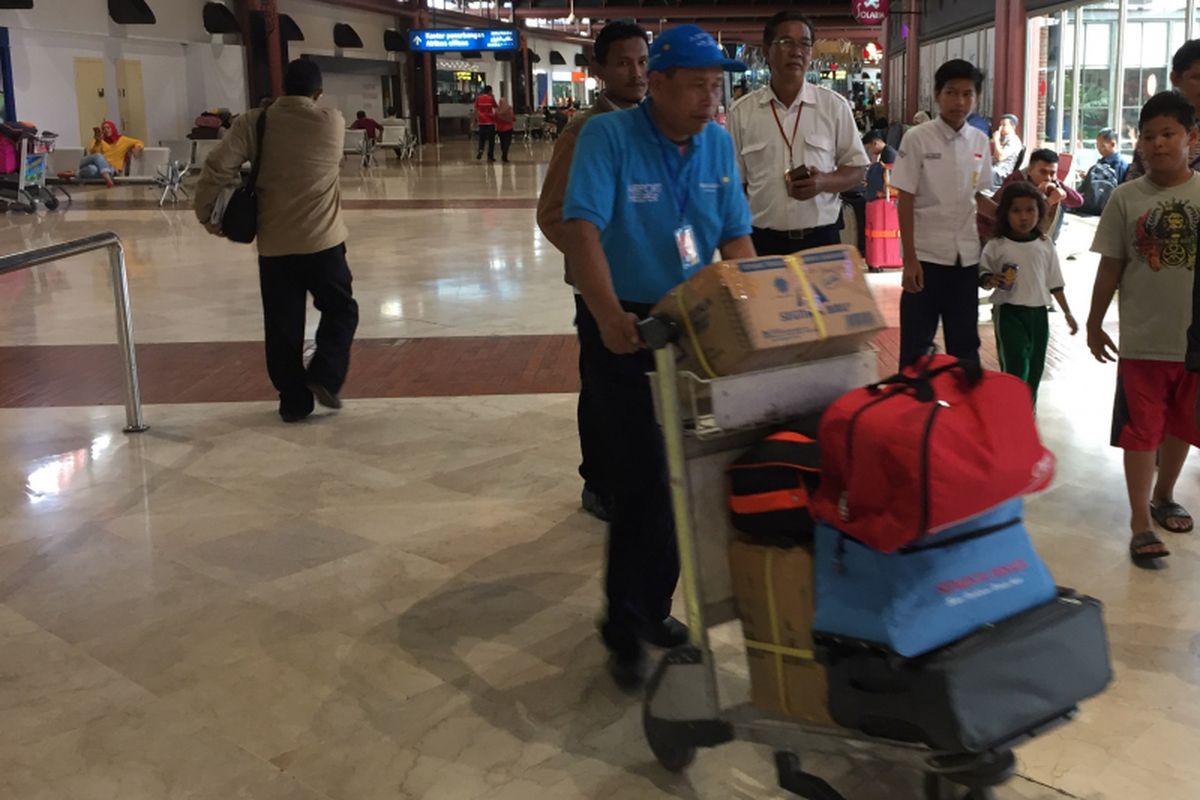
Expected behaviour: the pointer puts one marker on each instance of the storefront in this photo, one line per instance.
(1093, 66)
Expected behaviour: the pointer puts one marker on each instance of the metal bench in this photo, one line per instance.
(153, 167)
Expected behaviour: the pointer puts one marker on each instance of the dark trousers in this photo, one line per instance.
(506, 138)
(596, 464)
(643, 561)
(487, 136)
(951, 296)
(769, 242)
(286, 282)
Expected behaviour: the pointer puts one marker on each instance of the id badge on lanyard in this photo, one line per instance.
(680, 191)
(689, 251)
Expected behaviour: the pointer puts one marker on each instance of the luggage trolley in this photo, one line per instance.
(29, 186)
(705, 424)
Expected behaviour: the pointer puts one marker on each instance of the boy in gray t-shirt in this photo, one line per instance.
(1147, 240)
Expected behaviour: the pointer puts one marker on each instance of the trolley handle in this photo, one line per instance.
(658, 332)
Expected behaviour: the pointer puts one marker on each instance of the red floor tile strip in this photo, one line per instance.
(225, 372)
(97, 201)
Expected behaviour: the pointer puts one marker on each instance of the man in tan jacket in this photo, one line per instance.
(301, 236)
(621, 58)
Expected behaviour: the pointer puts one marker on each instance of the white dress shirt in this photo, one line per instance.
(943, 169)
(826, 138)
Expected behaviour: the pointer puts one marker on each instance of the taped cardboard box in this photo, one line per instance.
(773, 589)
(759, 313)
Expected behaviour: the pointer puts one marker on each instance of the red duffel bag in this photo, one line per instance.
(933, 446)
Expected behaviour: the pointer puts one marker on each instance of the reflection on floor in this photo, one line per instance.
(397, 602)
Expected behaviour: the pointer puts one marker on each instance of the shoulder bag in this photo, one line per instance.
(240, 221)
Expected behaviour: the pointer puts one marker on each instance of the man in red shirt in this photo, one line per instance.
(485, 115)
(365, 123)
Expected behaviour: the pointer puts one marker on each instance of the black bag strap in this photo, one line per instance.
(921, 384)
(260, 131)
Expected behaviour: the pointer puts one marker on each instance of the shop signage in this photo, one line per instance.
(439, 41)
(870, 12)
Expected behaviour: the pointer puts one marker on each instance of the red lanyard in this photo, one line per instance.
(791, 143)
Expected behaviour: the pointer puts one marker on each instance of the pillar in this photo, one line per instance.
(1008, 69)
(912, 60)
(259, 21)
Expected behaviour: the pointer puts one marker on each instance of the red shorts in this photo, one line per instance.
(1155, 399)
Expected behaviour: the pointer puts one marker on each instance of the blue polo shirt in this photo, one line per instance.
(633, 184)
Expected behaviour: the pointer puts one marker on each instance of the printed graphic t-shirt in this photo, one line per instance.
(1153, 230)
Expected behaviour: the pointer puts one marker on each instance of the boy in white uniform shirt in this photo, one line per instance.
(942, 167)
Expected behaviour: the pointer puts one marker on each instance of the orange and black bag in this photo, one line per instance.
(770, 484)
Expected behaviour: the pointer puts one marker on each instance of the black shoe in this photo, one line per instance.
(596, 504)
(479, 156)
(667, 634)
(628, 672)
(324, 396)
(290, 416)
(491, 159)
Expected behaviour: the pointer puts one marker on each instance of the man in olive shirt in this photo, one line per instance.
(301, 236)
(621, 57)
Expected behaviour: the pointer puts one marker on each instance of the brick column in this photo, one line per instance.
(1008, 71)
(912, 60)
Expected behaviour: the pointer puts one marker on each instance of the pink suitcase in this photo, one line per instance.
(883, 231)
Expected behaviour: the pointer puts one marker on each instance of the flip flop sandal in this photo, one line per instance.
(1143, 542)
(1165, 511)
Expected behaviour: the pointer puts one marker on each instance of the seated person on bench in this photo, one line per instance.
(364, 123)
(108, 150)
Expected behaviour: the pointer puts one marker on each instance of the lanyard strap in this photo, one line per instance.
(791, 143)
(680, 179)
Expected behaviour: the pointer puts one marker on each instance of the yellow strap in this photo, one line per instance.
(691, 331)
(773, 616)
(809, 297)
(780, 650)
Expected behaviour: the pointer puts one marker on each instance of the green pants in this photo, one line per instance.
(1022, 333)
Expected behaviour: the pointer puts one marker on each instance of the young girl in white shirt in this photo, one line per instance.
(1021, 265)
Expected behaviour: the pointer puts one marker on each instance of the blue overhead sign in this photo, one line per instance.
(439, 41)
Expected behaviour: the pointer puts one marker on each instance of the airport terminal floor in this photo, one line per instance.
(398, 601)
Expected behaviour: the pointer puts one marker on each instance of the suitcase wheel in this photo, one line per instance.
(938, 788)
(674, 755)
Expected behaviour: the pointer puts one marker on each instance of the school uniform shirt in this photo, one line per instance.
(1033, 266)
(635, 186)
(943, 169)
(825, 138)
(1152, 229)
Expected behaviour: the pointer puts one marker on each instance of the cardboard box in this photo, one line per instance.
(786, 684)
(755, 313)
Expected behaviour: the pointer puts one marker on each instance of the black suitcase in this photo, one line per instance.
(987, 690)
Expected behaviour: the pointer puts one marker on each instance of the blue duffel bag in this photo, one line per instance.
(933, 592)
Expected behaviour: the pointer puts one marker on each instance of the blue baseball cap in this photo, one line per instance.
(690, 47)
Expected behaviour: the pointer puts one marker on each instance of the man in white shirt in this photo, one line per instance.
(1006, 149)
(797, 146)
(942, 167)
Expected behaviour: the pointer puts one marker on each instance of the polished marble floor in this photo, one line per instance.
(397, 601)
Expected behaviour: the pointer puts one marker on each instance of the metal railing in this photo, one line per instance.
(120, 281)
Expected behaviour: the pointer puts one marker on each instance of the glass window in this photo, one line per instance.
(1154, 27)
(1097, 42)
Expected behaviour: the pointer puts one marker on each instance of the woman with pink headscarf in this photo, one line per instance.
(107, 152)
